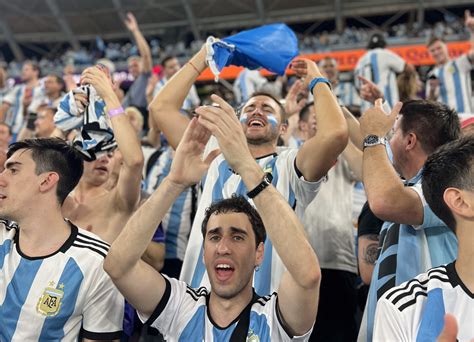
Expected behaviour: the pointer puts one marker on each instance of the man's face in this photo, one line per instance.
(19, 186)
(230, 255)
(328, 67)
(171, 67)
(28, 73)
(44, 123)
(134, 67)
(261, 120)
(52, 87)
(97, 172)
(439, 51)
(5, 136)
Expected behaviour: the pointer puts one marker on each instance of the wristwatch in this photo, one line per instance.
(266, 181)
(373, 140)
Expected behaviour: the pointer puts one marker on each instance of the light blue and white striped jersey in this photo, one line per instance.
(414, 311)
(347, 94)
(381, 66)
(454, 84)
(15, 115)
(221, 182)
(406, 252)
(177, 221)
(191, 101)
(295, 142)
(50, 298)
(182, 315)
(247, 83)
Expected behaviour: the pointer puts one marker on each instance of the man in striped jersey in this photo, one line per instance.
(52, 283)
(381, 66)
(296, 172)
(413, 239)
(234, 233)
(170, 67)
(17, 101)
(450, 81)
(345, 92)
(415, 310)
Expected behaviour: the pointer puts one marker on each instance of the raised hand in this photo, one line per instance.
(369, 90)
(130, 22)
(468, 20)
(292, 105)
(376, 121)
(99, 79)
(222, 122)
(306, 69)
(188, 167)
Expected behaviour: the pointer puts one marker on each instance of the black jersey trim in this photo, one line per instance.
(413, 301)
(102, 335)
(66, 245)
(254, 299)
(105, 244)
(196, 293)
(456, 280)
(98, 251)
(91, 243)
(280, 319)
(162, 304)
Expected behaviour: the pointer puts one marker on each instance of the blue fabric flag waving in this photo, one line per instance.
(271, 47)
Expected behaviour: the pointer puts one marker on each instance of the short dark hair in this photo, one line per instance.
(452, 165)
(433, 40)
(376, 40)
(236, 204)
(167, 58)
(305, 111)
(54, 154)
(262, 93)
(434, 123)
(59, 80)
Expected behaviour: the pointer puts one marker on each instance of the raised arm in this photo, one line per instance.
(318, 154)
(388, 198)
(469, 23)
(166, 105)
(123, 262)
(299, 288)
(293, 108)
(142, 44)
(127, 192)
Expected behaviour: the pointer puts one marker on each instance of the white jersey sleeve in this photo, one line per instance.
(389, 324)
(168, 315)
(304, 190)
(394, 61)
(103, 314)
(464, 63)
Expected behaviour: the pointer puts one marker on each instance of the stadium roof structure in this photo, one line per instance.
(71, 21)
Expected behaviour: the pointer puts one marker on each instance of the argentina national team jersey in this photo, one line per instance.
(15, 116)
(406, 252)
(183, 315)
(221, 183)
(177, 221)
(380, 66)
(455, 84)
(414, 311)
(50, 298)
(346, 94)
(192, 99)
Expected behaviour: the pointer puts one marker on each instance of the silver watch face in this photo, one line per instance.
(372, 140)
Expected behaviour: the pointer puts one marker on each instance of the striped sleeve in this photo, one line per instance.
(390, 324)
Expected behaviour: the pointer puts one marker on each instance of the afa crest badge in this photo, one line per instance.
(49, 303)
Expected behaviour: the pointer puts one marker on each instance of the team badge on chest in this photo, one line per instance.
(49, 303)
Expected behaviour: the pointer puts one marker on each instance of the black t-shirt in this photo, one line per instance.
(368, 223)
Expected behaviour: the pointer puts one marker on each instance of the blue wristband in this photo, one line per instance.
(317, 80)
